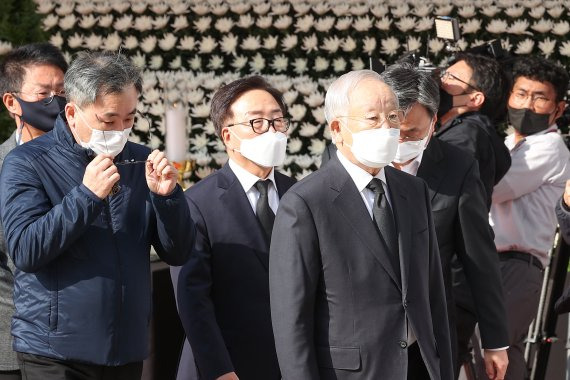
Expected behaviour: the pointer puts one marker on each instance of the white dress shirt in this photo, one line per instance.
(248, 181)
(522, 213)
(413, 166)
(361, 179)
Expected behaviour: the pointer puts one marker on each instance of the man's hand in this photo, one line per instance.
(228, 376)
(496, 363)
(161, 175)
(100, 175)
(567, 193)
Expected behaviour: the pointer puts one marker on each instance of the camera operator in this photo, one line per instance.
(523, 209)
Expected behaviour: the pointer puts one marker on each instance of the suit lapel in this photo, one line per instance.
(235, 202)
(428, 170)
(350, 203)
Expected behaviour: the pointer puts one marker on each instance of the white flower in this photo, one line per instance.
(220, 9)
(279, 63)
(390, 46)
(228, 44)
(564, 49)
(257, 63)
(283, 84)
(331, 44)
(56, 40)
(240, 8)
(139, 60)
(300, 65)
(362, 24)
(340, 9)
(321, 64)
(506, 44)
(187, 43)
(304, 24)
(556, 11)
(290, 96)
(467, 11)
(383, 23)
(348, 44)
(203, 171)
(201, 110)
(401, 10)
(519, 27)
(160, 22)
(67, 22)
(224, 25)
(50, 21)
(306, 86)
(424, 24)
(239, 62)
(543, 26)
(303, 174)
(167, 42)
(490, 11)
(343, 23)
(435, 45)
(406, 23)
(216, 62)
(159, 8)
(93, 42)
(422, 10)
(264, 22)
(462, 44)
(143, 23)
(155, 62)
(302, 8)
(195, 63)
(294, 145)
(414, 43)
(138, 7)
(537, 12)
(207, 44)
(514, 12)
(202, 24)
(319, 115)
(321, 8)
(220, 158)
(308, 130)
(148, 44)
(283, 22)
(561, 28)
(180, 22)
(310, 43)
(67, 57)
(497, 26)
(369, 45)
(195, 96)
(120, 6)
(112, 42)
(379, 10)
(75, 41)
(304, 161)
(525, 47)
(357, 64)
(315, 99)
(5, 47)
(45, 7)
(317, 147)
(471, 26)
(251, 43)
(199, 147)
(325, 24)
(270, 42)
(280, 9)
(176, 63)
(289, 42)
(121, 24)
(179, 8)
(151, 96)
(359, 9)
(106, 21)
(200, 9)
(65, 8)
(245, 21)
(547, 46)
(443, 10)
(262, 8)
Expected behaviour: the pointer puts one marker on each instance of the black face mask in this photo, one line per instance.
(445, 103)
(528, 122)
(41, 115)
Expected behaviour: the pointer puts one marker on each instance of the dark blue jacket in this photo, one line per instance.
(82, 284)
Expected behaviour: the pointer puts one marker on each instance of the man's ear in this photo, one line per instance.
(12, 104)
(225, 135)
(335, 131)
(560, 107)
(476, 99)
(70, 114)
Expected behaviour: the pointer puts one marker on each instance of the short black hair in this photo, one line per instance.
(542, 70)
(14, 64)
(489, 78)
(220, 109)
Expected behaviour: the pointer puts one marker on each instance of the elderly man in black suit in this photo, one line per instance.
(223, 291)
(458, 206)
(354, 270)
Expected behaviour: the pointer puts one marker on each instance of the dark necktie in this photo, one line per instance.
(384, 220)
(263, 211)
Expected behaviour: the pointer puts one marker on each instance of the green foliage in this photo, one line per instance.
(19, 25)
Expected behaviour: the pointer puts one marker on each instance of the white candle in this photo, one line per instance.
(176, 137)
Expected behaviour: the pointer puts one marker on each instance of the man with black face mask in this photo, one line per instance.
(523, 210)
(31, 84)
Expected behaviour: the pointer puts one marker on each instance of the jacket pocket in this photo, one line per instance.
(347, 358)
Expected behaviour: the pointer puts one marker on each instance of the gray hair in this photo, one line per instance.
(336, 100)
(93, 74)
(412, 86)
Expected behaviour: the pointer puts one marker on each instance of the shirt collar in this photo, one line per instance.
(413, 166)
(246, 179)
(360, 176)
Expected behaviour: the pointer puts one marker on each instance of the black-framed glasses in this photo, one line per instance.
(45, 96)
(261, 125)
(446, 75)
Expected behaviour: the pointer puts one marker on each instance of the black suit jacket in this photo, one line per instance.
(222, 291)
(462, 229)
(338, 307)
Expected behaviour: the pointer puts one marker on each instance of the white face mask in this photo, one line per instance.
(409, 150)
(267, 150)
(108, 142)
(375, 148)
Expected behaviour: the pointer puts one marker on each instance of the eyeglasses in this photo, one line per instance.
(393, 119)
(261, 125)
(446, 75)
(539, 101)
(45, 96)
